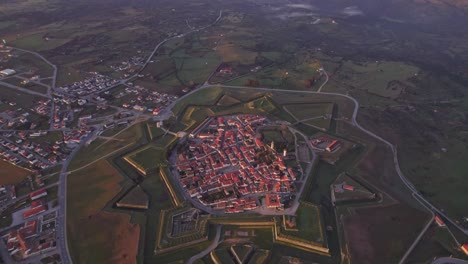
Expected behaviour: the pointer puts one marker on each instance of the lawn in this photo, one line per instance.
(259, 257)
(101, 147)
(148, 158)
(12, 174)
(305, 111)
(97, 236)
(23, 100)
(50, 138)
(223, 256)
(135, 198)
(194, 115)
(360, 192)
(205, 97)
(154, 131)
(382, 234)
(318, 115)
(196, 69)
(36, 42)
(242, 251)
(436, 242)
(387, 79)
(30, 86)
(308, 223)
(272, 135)
(227, 100)
(28, 62)
(231, 53)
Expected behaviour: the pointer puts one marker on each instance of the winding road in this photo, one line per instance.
(208, 249)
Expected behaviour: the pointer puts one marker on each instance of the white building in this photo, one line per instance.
(7, 72)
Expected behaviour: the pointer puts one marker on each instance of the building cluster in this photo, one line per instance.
(226, 165)
(18, 148)
(67, 109)
(5, 53)
(141, 99)
(7, 192)
(93, 84)
(22, 117)
(32, 238)
(129, 66)
(42, 107)
(326, 144)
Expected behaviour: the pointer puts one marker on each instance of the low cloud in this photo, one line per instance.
(352, 11)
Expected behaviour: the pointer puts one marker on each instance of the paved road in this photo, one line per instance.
(23, 90)
(54, 81)
(61, 227)
(449, 261)
(418, 238)
(323, 84)
(208, 249)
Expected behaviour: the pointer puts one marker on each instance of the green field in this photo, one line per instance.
(135, 197)
(259, 257)
(148, 158)
(223, 255)
(386, 79)
(154, 131)
(100, 147)
(227, 100)
(360, 192)
(316, 115)
(26, 62)
(205, 97)
(308, 224)
(242, 251)
(89, 226)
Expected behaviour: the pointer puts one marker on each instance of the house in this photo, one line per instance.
(7, 72)
(156, 110)
(34, 211)
(37, 194)
(464, 248)
(334, 145)
(348, 187)
(273, 201)
(85, 117)
(439, 221)
(225, 70)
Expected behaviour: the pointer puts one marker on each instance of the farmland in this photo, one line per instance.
(12, 174)
(386, 79)
(367, 245)
(90, 225)
(439, 242)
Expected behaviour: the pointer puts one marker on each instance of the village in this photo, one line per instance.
(228, 167)
(40, 135)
